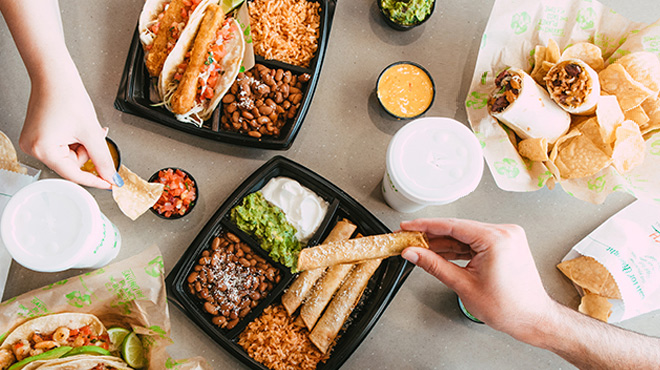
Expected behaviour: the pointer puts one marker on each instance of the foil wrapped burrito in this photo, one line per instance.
(574, 86)
(525, 107)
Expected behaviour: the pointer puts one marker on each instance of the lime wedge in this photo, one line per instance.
(117, 335)
(48, 355)
(229, 5)
(132, 351)
(88, 350)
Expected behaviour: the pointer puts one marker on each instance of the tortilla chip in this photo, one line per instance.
(13, 166)
(586, 52)
(643, 67)
(651, 107)
(552, 53)
(137, 195)
(595, 306)
(628, 148)
(7, 150)
(539, 56)
(609, 116)
(637, 115)
(591, 275)
(580, 157)
(535, 149)
(592, 130)
(617, 81)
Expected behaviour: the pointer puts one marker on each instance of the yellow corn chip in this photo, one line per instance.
(580, 157)
(587, 52)
(643, 67)
(595, 306)
(591, 275)
(535, 149)
(609, 116)
(552, 53)
(594, 132)
(638, 115)
(539, 57)
(651, 107)
(8, 158)
(137, 195)
(628, 147)
(617, 81)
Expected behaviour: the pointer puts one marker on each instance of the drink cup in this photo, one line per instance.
(54, 225)
(431, 161)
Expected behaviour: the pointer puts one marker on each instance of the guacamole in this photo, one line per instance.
(407, 12)
(268, 223)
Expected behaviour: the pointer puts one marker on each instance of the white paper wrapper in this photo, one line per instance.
(628, 245)
(10, 183)
(515, 27)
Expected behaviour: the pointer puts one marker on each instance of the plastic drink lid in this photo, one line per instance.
(435, 160)
(50, 225)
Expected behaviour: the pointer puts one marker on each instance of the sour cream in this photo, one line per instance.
(303, 208)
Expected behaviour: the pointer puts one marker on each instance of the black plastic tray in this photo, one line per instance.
(381, 289)
(133, 93)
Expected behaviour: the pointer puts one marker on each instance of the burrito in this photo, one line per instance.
(525, 107)
(574, 86)
(52, 336)
(160, 26)
(202, 66)
(80, 362)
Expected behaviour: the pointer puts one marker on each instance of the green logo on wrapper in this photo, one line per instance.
(156, 267)
(597, 184)
(477, 100)
(482, 141)
(38, 309)
(170, 363)
(158, 330)
(586, 18)
(125, 290)
(545, 176)
(507, 167)
(80, 298)
(655, 147)
(520, 22)
(51, 286)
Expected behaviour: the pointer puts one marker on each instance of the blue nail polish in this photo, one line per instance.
(118, 180)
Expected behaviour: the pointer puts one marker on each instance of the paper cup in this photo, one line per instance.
(54, 225)
(431, 161)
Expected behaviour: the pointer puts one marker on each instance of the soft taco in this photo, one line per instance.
(161, 25)
(80, 362)
(51, 336)
(202, 66)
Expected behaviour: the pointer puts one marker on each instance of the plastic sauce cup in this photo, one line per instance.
(54, 225)
(431, 161)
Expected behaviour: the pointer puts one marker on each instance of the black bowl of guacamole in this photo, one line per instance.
(403, 15)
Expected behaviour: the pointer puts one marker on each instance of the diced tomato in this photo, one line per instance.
(178, 195)
(208, 93)
(187, 2)
(155, 27)
(219, 51)
(213, 79)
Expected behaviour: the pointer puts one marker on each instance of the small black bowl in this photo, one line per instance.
(154, 177)
(89, 166)
(432, 90)
(402, 27)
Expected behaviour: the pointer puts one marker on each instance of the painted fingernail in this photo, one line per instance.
(118, 180)
(412, 257)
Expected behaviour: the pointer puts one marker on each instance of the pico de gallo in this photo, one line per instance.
(187, 7)
(178, 195)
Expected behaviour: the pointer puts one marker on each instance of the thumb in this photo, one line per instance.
(447, 272)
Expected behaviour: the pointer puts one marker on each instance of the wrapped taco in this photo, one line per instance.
(161, 25)
(50, 337)
(525, 107)
(574, 86)
(202, 66)
(80, 362)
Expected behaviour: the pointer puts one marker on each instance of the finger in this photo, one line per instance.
(466, 231)
(70, 170)
(98, 152)
(447, 272)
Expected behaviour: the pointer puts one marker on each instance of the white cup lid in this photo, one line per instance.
(435, 160)
(50, 225)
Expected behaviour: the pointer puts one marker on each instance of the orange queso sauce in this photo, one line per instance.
(89, 166)
(405, 90)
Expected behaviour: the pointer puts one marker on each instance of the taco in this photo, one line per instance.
(160, 26)
(51, 336)
(202, 66)
(81, 362)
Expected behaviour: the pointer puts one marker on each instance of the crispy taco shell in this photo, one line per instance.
(80, 362)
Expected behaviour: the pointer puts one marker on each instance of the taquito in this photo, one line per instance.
(322, 294)
(359, 249)
(301, 287)
(342, 305)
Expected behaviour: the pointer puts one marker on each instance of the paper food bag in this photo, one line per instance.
(514, 28)
(628, 246)
(130, 293)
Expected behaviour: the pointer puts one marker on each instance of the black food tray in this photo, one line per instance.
(381, 289)
(134, 90)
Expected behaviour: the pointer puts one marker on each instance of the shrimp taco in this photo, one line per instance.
(52, 336)
(161, 25)
(80, 362)
(202, 66)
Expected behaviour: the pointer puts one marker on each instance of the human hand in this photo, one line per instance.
(61, 130)
(500, 285)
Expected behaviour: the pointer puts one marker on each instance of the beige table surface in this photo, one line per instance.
(344, 138)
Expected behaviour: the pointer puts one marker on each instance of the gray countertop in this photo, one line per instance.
(344, 139)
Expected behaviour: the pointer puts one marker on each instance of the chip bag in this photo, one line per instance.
(623, 152)
(616, 268)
